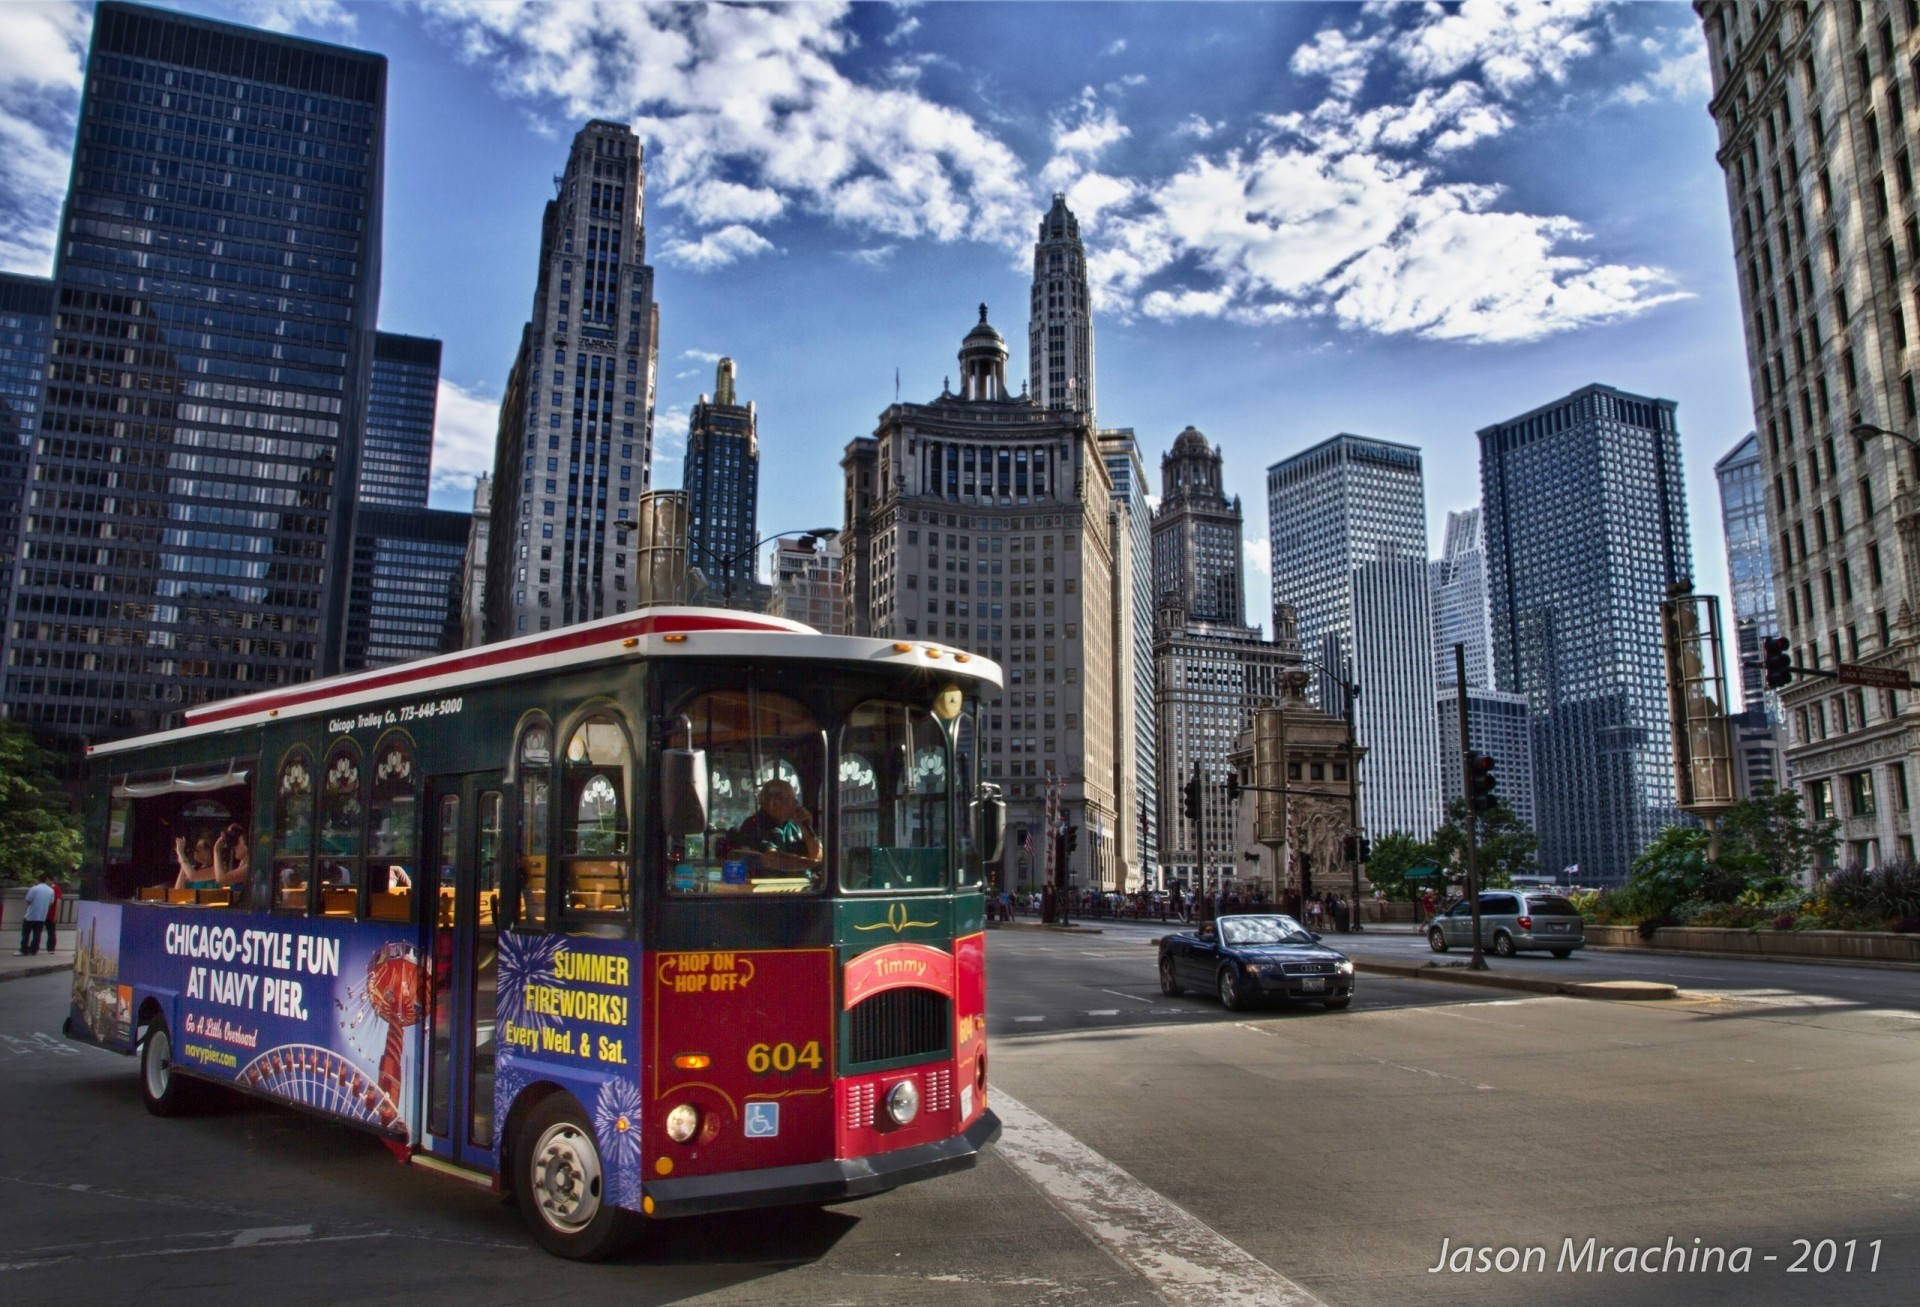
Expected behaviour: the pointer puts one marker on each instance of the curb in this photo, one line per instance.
(1792, 959)
(1041, 925)
(22, 973)
(1604, 989)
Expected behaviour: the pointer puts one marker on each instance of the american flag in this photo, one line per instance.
(1026, 841)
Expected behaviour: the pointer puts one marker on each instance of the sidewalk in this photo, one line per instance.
(14, 967)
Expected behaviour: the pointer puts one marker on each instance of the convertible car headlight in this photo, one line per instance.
(1346, 967)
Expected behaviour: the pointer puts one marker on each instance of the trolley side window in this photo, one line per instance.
(342, 822)
(533, 771)
(596, 842)
(766, 771)
(293, 813)
(895, 800)
(180, 835)
(392, 826)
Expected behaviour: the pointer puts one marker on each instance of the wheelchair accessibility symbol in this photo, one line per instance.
(763, 1120)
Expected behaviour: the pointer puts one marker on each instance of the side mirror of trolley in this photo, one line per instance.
(683, 791)
(990, 822)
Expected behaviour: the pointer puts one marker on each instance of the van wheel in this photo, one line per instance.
(162, 1089)
(1436, 941)
(1168, 985)
(561, 1185)
(1562, 953)
(1503, 944)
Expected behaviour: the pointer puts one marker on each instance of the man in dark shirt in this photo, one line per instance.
(780, 837)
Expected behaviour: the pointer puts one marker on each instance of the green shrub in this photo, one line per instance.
(1890, 891)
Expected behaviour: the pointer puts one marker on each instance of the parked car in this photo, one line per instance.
(1248, 957)
(1512, 921)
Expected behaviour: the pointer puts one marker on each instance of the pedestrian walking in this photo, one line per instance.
(39, 901)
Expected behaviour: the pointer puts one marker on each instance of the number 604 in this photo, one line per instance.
(783, 1058)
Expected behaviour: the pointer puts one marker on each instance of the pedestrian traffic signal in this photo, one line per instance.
(1193, 797)
(1779, 662)
(1481, 782)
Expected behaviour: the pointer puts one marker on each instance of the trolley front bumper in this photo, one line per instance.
(821, 1182)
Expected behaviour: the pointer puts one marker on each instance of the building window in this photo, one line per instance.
(1820, 800)
(1860, 794)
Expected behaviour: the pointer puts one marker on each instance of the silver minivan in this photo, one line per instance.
(1512, 921)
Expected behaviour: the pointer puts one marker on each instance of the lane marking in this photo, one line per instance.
(1029, 1018)
(1103, 1012)
(1117, 994)
(1186, 1260)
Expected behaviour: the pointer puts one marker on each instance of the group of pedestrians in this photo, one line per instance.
(42, 916)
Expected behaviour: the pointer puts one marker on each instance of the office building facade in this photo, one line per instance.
(722, 481)
(26, 335)
(1347, 519)
(1060, 322)
(575, 449)
(1753, 615)
(1133, 615)
(1498, 726)
(403, 395)
(980, 519)
(1458, 583)
(1813, 105)
(473, 568)
(806, 584)
(1586, 528)
(189, 531)
(408, 572)
(1196, 536)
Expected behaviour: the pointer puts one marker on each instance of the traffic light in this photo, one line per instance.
(1193, 797)
(1233, 785)
(1779, 662)
(1073, 838)
(1480, 782)
(1365, 850)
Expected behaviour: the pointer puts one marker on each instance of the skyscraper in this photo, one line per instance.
(575, 450)
(1586, 527)
(806, 583)
(980, 519)
(1060, 324)
(1498, 725)
(1458, 582)
(722, 481)
(1196, 536)
(473, 568)
(26, 332)
(403, 394)
(1813, 107)
(1133, 616)
(1755, 616)
(1348, 523)
(217, 283)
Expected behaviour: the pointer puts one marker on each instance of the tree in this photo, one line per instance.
(1506, 845)
(1772, 827)
(1674, 869)
(1393, 857)
(38, 829)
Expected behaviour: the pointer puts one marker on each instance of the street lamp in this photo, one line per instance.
(808, 539)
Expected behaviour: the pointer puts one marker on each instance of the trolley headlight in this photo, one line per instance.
(903, 1102)
(683, 1123)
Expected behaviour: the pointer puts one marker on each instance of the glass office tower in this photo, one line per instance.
(217, 281)
(26, 325)
(1586, 527)
(403, 395)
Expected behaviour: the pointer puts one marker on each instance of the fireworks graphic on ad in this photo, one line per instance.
(524, 960)
(616, 1123)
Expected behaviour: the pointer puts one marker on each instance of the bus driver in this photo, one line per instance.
(780, 836)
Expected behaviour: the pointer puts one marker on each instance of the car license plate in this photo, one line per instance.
(1313, 985)
(1557, 925)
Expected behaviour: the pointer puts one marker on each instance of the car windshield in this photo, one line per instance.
(1552, 907)
(1243, 931)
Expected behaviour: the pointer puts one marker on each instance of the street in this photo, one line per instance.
(1157, 1151)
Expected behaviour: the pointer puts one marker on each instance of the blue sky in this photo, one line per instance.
(1403, 220)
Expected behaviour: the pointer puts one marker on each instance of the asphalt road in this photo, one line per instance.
(1152, 1157)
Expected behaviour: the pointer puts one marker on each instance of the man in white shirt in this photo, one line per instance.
(39, 904)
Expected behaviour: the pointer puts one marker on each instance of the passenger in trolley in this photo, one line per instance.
(780, 838)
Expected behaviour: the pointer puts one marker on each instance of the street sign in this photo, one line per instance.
(1883, 678)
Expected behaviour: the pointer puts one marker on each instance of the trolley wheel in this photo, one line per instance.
(1168, 985)
(162, 1088)
(560, 1184)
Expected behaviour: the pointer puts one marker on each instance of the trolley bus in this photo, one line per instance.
(515, 910)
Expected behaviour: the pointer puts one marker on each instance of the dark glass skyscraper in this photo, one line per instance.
(408, 566)
(217, 280)
(403, 392)
(1586, 527)
(26, 324)
(722, 480)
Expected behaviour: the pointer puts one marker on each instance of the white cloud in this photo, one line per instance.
(717, 201)
(701, 355)
(1511, 42)
(1258, 557)
(1341, 58)
(1080, 135)
(716, 249)
(669, 445)
(1119, 47)
(1680, 70)
(292, 15)
(877, 256)
(41, 46)
(466, 429)
(754, 96)
(1197, 127)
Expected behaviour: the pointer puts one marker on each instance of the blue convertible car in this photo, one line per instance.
(1244, 958)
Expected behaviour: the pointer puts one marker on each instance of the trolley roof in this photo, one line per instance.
(649, 633)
